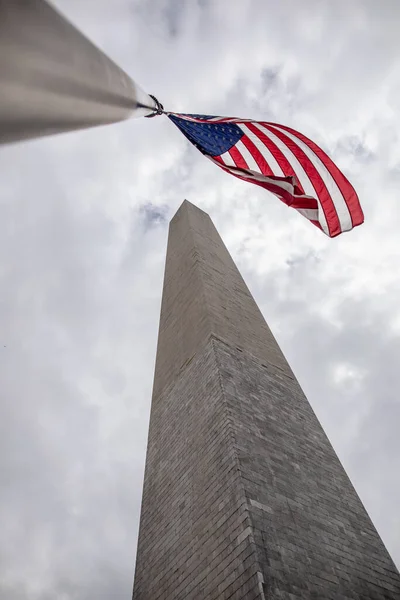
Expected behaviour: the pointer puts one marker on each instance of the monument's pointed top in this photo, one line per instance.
(204, 295)
(187, 206)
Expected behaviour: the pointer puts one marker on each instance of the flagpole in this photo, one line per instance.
(53, 79)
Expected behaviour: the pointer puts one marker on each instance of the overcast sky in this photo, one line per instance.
(83, 229)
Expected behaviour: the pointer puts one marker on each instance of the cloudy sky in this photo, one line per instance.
(83, 230)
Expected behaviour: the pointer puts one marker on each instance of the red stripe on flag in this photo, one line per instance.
(318, 183)
(238, 158)
(317, 224)
(304, 203)
(256, 154)
(283, 195)
(348, 192)
(277, 191)
(280, 158)
(266, 170)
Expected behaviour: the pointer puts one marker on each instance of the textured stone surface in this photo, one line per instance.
(243, 496)
(313, 536)
(205, 294)
(195, 535)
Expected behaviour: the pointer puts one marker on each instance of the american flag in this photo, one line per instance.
(282, 161)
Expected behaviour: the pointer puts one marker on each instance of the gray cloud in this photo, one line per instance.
(153, 215)
(83, 232)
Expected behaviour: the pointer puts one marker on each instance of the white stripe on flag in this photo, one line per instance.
(251, 163)
(332, 187)
(300, 172)
(271, 160)
(309, 213)
(227, 159)
(249, 175)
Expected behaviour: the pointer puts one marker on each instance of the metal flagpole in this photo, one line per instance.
(53, 79)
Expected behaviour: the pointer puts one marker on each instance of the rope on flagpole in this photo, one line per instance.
(159, 108)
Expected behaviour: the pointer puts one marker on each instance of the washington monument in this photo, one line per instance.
(244, 496)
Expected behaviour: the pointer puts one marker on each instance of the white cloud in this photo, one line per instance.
(82, 263)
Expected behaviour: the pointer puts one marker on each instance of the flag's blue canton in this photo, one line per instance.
(210, 138)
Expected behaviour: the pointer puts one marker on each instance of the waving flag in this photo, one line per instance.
(280, 160)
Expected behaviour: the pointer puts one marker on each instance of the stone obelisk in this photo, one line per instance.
(244, 496)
